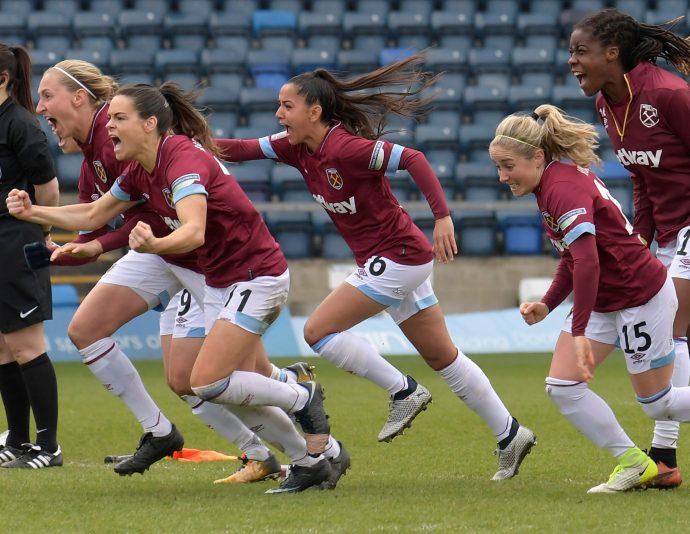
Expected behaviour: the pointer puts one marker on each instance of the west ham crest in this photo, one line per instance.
(550, 221)
(649, 116)
(167, 195)
(100, 171)
(334, 178)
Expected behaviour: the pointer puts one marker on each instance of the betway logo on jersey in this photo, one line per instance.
(639, 157)
(346, 206)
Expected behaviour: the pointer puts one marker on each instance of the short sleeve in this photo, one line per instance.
(571, 207)
(188, 172)
(30, 144)
(278, 148)
(126, 187)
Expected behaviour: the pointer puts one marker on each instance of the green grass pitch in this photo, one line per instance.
(436, 477)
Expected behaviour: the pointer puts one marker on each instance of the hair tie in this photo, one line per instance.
(535, 116)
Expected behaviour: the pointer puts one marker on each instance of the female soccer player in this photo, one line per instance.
(27, 377)
(74, 98)
(331, 137)
(644, 111)
(621, 291)
(246, 274)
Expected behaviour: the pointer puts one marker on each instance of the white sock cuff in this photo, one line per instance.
(97, 350)
(213, 390)
(550, 381)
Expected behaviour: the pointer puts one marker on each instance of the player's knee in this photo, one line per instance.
(179, 383)
(564, 392)
(79, 334)
(312, 334)
(660, 405)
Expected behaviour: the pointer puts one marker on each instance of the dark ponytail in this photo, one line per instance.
(361, 110)
(16, 62)
(173, 108)
(638, 42)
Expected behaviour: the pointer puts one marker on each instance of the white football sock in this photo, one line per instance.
(671, 403)
(220, 419)
(275, 427)
(112, 367)
(589, 413)
(279, 374)
(252, 389)
(332, 450)
(666, 432)
(357, 356)
(466, 379)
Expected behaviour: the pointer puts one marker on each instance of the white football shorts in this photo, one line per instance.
(183, 317)
(676, 255)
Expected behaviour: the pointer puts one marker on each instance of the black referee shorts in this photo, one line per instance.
(25, 295)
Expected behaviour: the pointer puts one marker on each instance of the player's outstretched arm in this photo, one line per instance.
(235, 150)
(88, 216)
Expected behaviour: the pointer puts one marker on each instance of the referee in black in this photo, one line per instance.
(27, 377)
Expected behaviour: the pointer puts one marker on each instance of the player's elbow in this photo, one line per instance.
(196, 236)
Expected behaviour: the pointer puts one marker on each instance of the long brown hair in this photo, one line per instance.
(361, 110)
(173, 108)
(638, 42)
(16, 62)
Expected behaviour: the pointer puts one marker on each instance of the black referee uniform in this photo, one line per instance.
(25, 161)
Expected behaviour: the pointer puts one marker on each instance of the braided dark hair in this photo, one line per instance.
(638, 42)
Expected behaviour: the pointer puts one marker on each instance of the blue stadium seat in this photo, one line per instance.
(268, 22)
(527, 97)
(239, 7)
(311, 23)
(452, 23)
(273, 81)
(305, 60)
(277, 42)
(12, 28)
(293, 231)
(424, 220)
(229, 24)
(634, 8)
(197, 7)
(50, 31)
(89, 24)
(538, 23)
(489, 60)
(179, 66)
(442, 157)
(224, 99)
(586, 6)
(548, 7)
(522, 235)
(416, 6)
(532, 60)
(613, 171)
(187, 31)
(477, 234)
(17, 7)
(132, 61)
(431, 136)
(488, 80)
(623, 193)
(100, 58)
(415, 42)
(447, 60)
(263, 119)
(41, 60)
(377, 7)
(440, 118)
(446, 98)
(294, 6)
(548, 42)
(141, 30)
(357, 61)
(64, 295)
(570, 96)
(232, 82)
(222, 61)
(469, 7)
(408, 23)
(496, 23)
(253, 179)
(160, 7)
(374, 43)
(136, 77)
(502, 7)
(355, 24)
(391, 55)
(330, 43)
(258, 100)
(268, 62)
(538, 79)
(494, 98)
(475, 173)
(68, 169)
(333, 246)
(66, 7)
(110, 7)
(285, 175)
(334, 7)
(223, 123)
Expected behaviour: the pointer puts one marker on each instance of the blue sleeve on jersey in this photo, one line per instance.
(118, 193)
(582, 228)
(194, 189)
(266, 148)
(394, 160)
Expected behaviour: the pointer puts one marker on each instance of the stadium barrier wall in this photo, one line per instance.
(475, 333)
